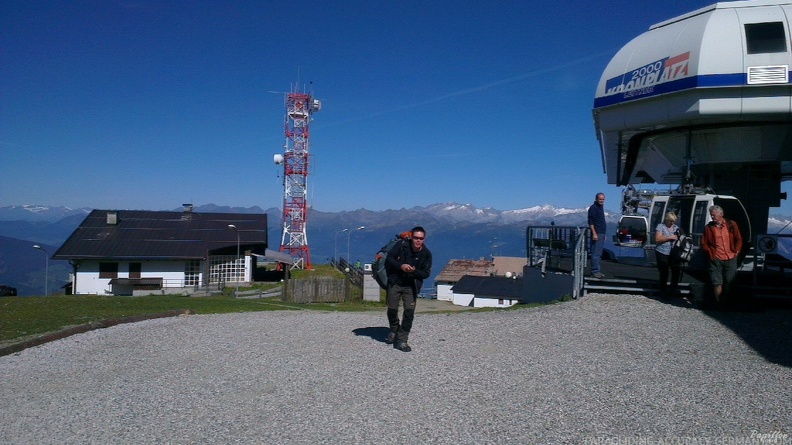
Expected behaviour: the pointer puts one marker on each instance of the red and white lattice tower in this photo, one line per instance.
(299, 108)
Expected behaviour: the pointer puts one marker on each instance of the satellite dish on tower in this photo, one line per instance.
(278, 158)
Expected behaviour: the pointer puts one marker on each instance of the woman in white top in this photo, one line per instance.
(665, 235)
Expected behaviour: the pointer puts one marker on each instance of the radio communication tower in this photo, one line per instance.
(299, 108)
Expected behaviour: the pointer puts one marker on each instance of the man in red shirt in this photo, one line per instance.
(722, 241)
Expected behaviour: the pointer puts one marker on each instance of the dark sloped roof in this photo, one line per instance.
(144, 234)
(497, 287)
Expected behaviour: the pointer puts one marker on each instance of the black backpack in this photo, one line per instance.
(682, 249)
(378, 269)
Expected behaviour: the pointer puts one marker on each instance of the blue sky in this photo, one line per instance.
(137, 104)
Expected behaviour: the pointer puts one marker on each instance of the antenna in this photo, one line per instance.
(295, 160)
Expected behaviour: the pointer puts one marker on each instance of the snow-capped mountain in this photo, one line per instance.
(469, 213)
(455, 231)
(39, 213)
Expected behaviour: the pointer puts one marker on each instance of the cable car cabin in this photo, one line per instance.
(692, 211)
(632, 231)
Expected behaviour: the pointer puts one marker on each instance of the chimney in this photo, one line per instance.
(187, 213)
(112, 218)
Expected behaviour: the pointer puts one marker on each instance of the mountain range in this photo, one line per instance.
(454, 231)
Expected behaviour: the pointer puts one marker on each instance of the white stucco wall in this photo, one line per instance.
(462, 299)
(444, 292)
(494, 302)
(88, 281)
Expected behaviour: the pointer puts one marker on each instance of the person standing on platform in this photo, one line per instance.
(665, 234)
(723, 242)
(596, 222)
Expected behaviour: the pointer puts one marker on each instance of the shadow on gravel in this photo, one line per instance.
(766, 331)
(379, 334)
(763, 327)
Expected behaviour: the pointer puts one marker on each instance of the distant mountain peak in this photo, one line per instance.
(37, 212)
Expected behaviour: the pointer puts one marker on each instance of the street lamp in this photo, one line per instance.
(234, 228)
(350, 233)
(46, 268)
(335, 247)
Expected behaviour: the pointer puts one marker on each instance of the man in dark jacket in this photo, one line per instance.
(408, 263)
(723, 242)
(596, 222)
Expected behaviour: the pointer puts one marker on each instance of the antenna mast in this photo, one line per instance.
(299, 108)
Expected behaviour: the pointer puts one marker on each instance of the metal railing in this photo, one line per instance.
(579, 261)
(550, 246)
(352, 272)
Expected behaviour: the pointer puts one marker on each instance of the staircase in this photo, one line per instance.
(628, 286)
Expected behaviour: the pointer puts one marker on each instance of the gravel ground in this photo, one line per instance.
(605, 369)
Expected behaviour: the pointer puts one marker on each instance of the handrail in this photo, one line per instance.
(543, 243)
(579, 262)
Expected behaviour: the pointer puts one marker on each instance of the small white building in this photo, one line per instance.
(140, 252)
(500, 266)
(454, 271)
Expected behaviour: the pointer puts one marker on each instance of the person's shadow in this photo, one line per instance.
(377, 333)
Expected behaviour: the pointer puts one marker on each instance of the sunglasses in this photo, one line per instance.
(418, 237)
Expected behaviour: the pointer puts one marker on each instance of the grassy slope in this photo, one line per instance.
(25, 317)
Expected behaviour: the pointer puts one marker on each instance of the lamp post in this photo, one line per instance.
(348, 234)
(335, 247)
(234, 228)
(46, 268)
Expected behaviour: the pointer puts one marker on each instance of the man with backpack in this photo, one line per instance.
(723, 242)
(408, 263)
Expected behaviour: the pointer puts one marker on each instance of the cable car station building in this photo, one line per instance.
(704, 100)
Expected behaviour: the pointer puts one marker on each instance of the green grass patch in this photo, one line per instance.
(319, 270)
(24, 317)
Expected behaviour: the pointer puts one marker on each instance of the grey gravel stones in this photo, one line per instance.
(604, 367)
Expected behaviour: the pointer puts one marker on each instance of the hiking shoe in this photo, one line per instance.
(391, 338)
(598, 275)
(402, 346)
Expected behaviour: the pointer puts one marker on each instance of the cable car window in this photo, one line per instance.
(632, 229)
(682, 207)
(700, 213)
(657, 216)
(765, 37)
(732, 209)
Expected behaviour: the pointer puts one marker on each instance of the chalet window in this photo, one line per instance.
(765, 37)
(108, 270)
(134, 270)
(192, 272)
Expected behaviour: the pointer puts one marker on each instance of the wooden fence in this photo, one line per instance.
(322, 290)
